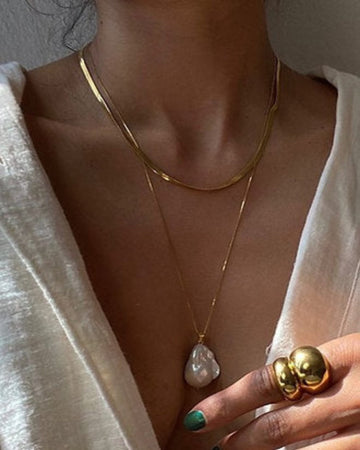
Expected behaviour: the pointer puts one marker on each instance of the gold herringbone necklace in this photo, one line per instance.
(136, 148)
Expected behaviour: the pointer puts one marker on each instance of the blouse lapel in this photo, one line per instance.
(34, 222)
(323, 283)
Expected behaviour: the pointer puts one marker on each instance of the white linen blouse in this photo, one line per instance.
(64, 381)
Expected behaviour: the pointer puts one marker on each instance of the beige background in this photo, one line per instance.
(304, 33)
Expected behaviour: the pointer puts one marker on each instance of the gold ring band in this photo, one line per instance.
(305, 370)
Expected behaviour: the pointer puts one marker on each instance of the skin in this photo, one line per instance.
(193, 82)
(335, 409)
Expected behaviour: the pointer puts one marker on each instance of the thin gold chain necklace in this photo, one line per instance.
(201, 367)
(136, 148)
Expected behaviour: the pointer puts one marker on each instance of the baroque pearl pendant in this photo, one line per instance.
(201, 368)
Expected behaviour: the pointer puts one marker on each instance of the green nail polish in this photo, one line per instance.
(194, 420)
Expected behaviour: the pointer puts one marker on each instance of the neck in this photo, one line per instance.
(183, 65)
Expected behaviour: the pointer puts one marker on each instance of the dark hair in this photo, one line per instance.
(76, 17)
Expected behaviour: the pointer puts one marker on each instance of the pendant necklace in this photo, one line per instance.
(201, 367)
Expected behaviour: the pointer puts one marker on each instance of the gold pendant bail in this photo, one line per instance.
(201, 338)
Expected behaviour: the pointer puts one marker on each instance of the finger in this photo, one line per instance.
(258, 388)
(255, 389)
(314, 417)
(343, 442)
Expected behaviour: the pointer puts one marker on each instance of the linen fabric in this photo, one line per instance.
(64, 381)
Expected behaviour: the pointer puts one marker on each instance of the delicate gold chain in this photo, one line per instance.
(202, 334)
(148, 164)
(129, 136)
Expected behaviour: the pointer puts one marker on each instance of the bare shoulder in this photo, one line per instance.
(309, 103)
(61, 114)
(62, 117)
(56, 92)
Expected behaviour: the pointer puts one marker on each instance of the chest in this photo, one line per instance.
(133, 270)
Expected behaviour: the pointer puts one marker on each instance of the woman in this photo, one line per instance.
(95, 325)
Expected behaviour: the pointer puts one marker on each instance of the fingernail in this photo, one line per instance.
(194, 420)
(216, 448)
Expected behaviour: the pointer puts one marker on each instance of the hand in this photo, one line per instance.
(335, 409)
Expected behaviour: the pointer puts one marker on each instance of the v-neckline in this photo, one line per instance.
(33, 221)
(109, 354)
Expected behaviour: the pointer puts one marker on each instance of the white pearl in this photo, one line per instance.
(201, 368)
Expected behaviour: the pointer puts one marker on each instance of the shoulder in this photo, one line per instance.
(348, 87)
(57, 92)
(44, 104)
(348, 106)
(325, 96)
(347, 131)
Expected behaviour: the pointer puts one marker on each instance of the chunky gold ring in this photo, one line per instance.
(286, 379)
(305, 370)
